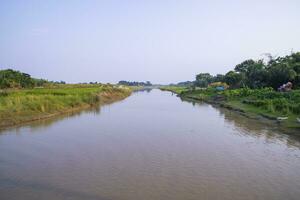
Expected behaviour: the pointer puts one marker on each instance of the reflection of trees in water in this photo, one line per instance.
(143, 90)
(261, 128)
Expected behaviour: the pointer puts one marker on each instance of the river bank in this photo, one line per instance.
(256, 104)
(150, 146)
(26, 105)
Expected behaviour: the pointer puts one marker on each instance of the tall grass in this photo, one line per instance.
(265, 99)
(268, 99)
(23, 105)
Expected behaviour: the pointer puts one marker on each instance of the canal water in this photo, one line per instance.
(150, 146)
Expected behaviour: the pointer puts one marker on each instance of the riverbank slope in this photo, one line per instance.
(253, 103)
(25, 105)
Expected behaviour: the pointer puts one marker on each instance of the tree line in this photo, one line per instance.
(258, 73)
(14, 79)
(135, 83)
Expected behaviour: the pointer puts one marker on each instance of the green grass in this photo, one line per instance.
(254, 103)
(175, 89)
(266, 99)
(17, 106)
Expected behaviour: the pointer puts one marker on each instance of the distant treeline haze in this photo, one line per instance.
(134, 83)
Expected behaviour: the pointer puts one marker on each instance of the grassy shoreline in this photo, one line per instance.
(251, 104)
(26, 105)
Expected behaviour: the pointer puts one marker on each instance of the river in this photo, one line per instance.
(150, 146)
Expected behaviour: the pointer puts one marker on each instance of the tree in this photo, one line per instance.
(254, 73)
(233, 79)
(203, 79)
(281, 73)
(244, 66)
(257, 74)
(14, 79)
(218, 78)
(135, 83)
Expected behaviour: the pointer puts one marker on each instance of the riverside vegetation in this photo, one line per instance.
(22, 101)
(252, 90)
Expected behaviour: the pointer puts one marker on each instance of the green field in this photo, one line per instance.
(23, 105)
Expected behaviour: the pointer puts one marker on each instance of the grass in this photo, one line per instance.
(254, 103)
(174, 89)
(18, 106)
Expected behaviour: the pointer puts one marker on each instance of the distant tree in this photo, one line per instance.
(233, 79)
(185, 83)
(253, 73)
(148, 83)
(14, 79)
(280, 74)
(258, 74)
(134, 83)
(218, 78)
(244, 66)
(203, 79)
(40, 82)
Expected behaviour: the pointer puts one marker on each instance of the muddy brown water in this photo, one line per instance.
(150, 146)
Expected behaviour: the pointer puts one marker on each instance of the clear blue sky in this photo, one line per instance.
(158, 40)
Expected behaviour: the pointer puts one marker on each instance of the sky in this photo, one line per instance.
(163, 41)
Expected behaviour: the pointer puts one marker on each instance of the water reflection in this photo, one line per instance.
(245, 126)
(36, 126)
(151, 146)
(143, 90)
(252, 127)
